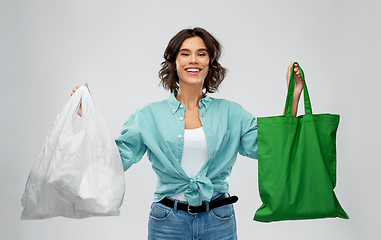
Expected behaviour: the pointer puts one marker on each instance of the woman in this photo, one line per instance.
(192, 141)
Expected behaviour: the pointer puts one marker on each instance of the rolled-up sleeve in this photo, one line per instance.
(249, 135)
(130, 143)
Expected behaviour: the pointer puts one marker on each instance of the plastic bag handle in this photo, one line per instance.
(290, 93)
(82, 95)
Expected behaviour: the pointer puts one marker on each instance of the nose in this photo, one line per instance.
(193, 58)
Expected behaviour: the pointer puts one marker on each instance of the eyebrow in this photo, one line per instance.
(186, 49)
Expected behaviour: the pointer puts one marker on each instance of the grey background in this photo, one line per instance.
(48, 47)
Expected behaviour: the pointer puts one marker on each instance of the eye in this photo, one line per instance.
(184, 54)
(202, 54)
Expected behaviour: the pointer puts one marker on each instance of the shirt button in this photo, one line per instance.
(179, 136)
(181, 118)
(181, 106)
(174, 110)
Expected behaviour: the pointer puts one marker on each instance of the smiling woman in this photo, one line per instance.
(192, 141)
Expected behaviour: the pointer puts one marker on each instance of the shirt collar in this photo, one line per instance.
(174, 104)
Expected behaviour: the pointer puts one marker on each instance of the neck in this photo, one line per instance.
(190, 96)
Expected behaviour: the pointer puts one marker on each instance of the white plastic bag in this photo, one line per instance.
(76, 176)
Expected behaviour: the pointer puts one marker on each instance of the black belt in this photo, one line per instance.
(222, 200)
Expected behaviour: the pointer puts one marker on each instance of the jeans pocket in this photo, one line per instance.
(160, 212)
(223, 213)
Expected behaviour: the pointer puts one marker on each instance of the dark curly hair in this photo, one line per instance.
(167, 74)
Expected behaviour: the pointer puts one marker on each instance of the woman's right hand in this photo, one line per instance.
(80, 106)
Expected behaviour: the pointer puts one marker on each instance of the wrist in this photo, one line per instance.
(297, 95)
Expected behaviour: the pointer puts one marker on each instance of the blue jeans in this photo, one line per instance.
(167, 223)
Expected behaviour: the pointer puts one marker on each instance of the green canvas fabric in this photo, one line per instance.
(297, 164)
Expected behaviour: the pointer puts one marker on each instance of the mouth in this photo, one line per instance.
(193, 70)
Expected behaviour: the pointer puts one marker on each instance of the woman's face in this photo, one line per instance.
(192, 62)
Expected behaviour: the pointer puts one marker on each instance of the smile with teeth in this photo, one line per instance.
(193, 70)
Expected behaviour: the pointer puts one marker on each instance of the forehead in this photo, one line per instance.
(193, 43)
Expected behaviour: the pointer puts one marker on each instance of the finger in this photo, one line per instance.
(74, 90)
(289, 70)
(289, 66)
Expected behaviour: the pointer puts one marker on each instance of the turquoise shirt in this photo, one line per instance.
(158, 129)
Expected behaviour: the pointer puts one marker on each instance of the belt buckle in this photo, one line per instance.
(190, 209)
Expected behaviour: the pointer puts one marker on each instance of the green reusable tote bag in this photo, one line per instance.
(297, 164)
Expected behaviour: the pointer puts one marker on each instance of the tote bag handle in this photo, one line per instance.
(290, 93)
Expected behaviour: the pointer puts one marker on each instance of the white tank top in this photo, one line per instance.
(195, 154)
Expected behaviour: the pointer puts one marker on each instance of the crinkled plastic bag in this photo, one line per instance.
(76, 175)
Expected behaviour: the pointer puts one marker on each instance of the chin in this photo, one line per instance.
(195, 82)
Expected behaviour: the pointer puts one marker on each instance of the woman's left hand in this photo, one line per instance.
(298, 86)
(298, 78)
